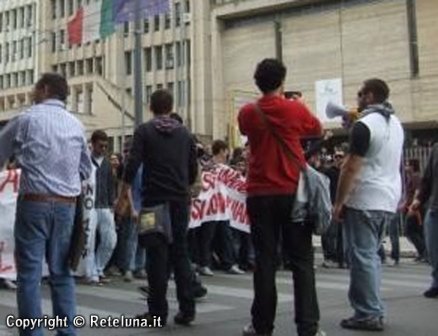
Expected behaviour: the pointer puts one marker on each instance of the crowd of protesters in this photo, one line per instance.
(139, 223)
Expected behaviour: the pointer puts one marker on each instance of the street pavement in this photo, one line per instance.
(226, 308)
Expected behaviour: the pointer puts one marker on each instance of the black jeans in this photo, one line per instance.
(161, 256)
(269, 215)
(415, 233)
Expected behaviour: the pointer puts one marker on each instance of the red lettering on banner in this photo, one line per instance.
(198, 208)
(208, 181)
(12, 178)
(212, 206)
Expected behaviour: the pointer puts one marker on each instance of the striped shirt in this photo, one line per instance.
(51, 149)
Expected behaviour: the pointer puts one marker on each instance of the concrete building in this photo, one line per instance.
(100, 73)
(350, 40)
(205, 51)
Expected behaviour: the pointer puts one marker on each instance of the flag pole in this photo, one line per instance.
(138, 75)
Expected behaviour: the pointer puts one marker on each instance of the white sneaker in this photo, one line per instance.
(206, 271)
(320, 333)
(8, 284)
(141, 274)
(235, 270)
(128, 277)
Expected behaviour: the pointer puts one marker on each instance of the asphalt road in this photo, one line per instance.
(226, 308)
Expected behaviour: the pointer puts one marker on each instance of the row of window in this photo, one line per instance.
(16, 50)
(80, 67)
(179, 95)
(21, 17)
(16, 79)
(66, 8)
(161, 57)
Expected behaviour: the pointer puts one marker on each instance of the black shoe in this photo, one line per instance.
(369, 324)
(150, 317)
(199, 292)
(431, 293)
(184, 319)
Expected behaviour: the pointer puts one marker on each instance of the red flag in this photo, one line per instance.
(75, 27)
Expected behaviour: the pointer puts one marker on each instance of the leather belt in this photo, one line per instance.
(48, 198)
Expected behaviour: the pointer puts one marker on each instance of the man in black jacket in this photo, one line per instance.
(168, 153)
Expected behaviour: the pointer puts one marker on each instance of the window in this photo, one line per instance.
(29, 47)
(29, 17)
(29, 77)
(126, 27)
(89, 66)
(159, 57)
(63, 69)
(71, 69)
(14, 19)
(146, 26)
(70, 7)
(21, 49)
(22, 19)
(1, 22)
(99, 65)
(180, 94)
(167, 21)
(178, 54)
(89, 100)
(14, 51)
(80, 68)
(177, 14)
(188, 53)
(148, 59)
(62, 39)
(62, 8)
(148, 93)
(170, 87)
(80, 101)
(7, 52)
(169, 56)
(14, 79)
(187, 6)
(128, 62)
(1, 83)
(54, 9)
(1, 53)
(159, 86)
(55, 68)
(7, 81)
(156, 23)
(53, 42)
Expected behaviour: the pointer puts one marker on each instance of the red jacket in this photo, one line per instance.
(270, 171)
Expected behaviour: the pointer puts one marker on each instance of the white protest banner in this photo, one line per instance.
(9, 184)
(222, 197)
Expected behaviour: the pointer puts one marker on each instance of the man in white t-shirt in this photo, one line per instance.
(369, 190)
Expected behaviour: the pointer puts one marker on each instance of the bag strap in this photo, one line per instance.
(292, 157)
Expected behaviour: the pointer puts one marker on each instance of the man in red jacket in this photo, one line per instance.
(272, 183)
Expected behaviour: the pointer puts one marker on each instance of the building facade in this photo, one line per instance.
(205, 52)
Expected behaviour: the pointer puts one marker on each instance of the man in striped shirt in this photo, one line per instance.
(51, 149)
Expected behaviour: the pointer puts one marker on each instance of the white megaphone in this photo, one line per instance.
(334, 110)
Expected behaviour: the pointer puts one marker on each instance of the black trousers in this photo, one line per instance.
(269, 215)
(414, 231)
(161, 256)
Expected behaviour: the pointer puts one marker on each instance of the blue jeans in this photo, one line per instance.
(394, 236)
(363, 234)
(44, 229)
(431, 237)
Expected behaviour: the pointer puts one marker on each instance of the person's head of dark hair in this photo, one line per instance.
(378, 88)
(236, 155)
(177, 117)
(161, 102)
(50, 86)
(269, 75)
(415, 164)
(98, 135)
(218, 146)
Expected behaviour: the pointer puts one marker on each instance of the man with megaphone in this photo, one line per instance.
(368, 193)
(333, 110)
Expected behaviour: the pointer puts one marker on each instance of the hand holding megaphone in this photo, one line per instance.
(348, 116)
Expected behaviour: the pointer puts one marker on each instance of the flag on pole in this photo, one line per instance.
(126, 9)
(97, 19)
(91, 22)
